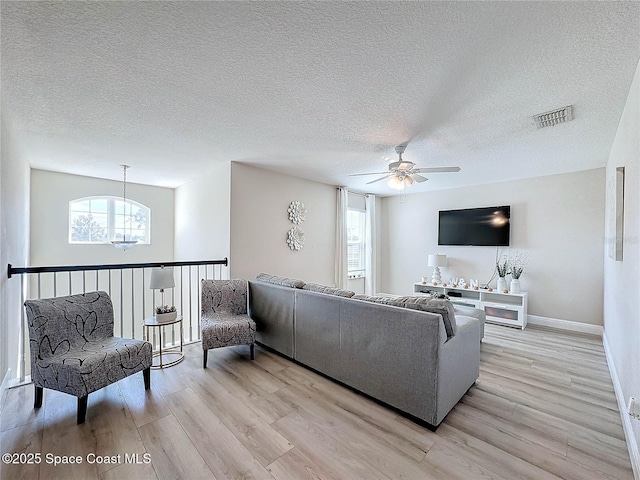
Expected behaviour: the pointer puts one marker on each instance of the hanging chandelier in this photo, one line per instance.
(124, 244)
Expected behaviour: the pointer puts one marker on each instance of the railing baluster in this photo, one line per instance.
(144, 310)
(39, 287)
(133, 303)
(182, 296)
(121, 302)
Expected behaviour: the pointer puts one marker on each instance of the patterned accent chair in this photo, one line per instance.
(73, 349)
(224, 321)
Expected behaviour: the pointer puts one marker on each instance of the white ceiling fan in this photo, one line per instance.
(402, 173)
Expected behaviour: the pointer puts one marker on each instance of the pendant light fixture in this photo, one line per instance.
(124, 244)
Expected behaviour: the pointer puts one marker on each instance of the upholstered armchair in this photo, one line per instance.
(73, 349)
(224, 321)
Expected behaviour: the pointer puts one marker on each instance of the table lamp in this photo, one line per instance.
(437, 261)
(161, 278)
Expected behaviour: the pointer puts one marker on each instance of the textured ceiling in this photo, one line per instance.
(319, 90)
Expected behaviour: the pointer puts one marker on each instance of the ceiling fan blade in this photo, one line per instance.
(371, 173)
(418, 178)
(381, 178)
(437, 170)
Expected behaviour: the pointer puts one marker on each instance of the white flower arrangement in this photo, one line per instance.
(516, 261)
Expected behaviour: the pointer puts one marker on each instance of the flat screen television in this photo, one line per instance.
(487, 226)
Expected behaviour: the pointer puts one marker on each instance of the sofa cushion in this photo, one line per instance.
(340, 292)
(423, 302)
(282, 281)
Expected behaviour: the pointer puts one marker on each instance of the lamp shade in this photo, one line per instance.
(161, 278)
(437, 260)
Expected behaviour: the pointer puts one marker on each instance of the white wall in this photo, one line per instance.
(50, 196)
(622, 278)
(14, 245)
(202, 216)
(557, 219)
(259, 226)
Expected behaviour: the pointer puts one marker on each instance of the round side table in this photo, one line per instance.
(162, 353)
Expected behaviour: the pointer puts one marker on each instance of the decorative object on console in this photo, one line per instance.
(297, 212)
(166, 314)
(124, 244)
(162, 278)
(437, 261)
(517, 261)
(503, 270)
(295, 238)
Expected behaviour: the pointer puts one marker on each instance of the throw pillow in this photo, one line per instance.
(282, 281)
(340, 292)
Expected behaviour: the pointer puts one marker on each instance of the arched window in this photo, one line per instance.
(103, 219)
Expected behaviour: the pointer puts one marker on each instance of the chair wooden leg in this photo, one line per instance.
(82, 409)
(37, 403)
(146, 373)
(253, 351)
(204, 358)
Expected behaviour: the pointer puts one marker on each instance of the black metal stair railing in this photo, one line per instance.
(128, 286)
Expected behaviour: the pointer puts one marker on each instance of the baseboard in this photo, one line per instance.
(632, 445)
(565, 325)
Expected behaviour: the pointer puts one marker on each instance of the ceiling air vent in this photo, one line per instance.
(554, 117)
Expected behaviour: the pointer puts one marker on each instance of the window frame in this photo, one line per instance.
(111, 214)
(359, 272)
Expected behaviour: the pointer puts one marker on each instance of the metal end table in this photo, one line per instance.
(152, 322)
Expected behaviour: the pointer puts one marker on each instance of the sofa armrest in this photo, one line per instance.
(458, 365)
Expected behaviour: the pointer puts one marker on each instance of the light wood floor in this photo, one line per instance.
(543, 408)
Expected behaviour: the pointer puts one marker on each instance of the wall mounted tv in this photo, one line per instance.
(488, 226)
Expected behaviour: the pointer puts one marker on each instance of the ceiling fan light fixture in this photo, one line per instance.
(409, 181)
(396, 183)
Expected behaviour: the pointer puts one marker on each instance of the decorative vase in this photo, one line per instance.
(166, 317)
(502, 284)
(515, 285)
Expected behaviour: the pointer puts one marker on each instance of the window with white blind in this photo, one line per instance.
(356, 243)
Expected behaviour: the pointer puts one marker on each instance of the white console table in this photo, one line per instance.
(503, 308)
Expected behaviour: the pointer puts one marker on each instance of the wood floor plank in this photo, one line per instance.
(490, 456)
(296, 465)
(446, 464)
(543, 409)
(145, 405)
(18, 407)
(23, 439)
(375, 450)
(62, 437)
(326, 450)
(137, 471)
(265, 404)
(265, 443)
(172, 453)
(111, 417)
(364, 415)
(225, 455)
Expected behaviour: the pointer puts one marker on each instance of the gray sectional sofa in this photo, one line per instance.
(391, 349)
